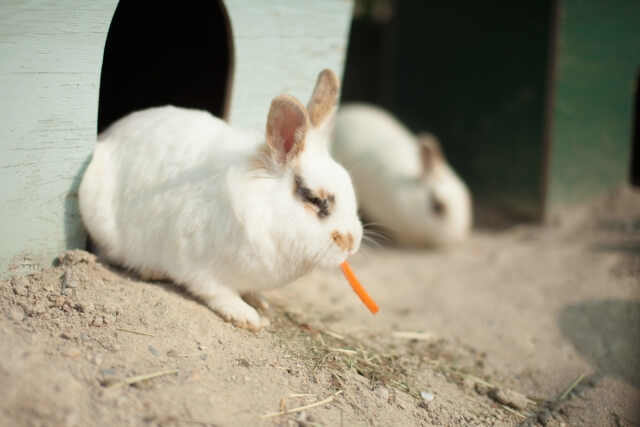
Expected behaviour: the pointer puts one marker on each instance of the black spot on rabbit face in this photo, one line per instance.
(437, 206)
(320, 202)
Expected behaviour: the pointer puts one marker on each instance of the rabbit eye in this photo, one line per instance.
(315, 201)
(323, 206)
(437, 206)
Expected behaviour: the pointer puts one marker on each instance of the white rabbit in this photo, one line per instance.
(403, 183)
(177, 193)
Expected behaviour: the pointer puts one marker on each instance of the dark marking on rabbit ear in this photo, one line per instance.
(324, 98)
(430, 152)
(287, 126)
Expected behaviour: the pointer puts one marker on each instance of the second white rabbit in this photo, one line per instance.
(403, 182)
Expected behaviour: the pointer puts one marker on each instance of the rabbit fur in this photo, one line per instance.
(177, 193)
(403, 182)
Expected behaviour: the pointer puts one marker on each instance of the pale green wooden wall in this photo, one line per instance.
(280, 47)
(49, 79)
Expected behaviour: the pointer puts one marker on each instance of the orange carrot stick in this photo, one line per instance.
(358, 289)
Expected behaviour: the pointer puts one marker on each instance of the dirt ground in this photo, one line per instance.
(493, 332)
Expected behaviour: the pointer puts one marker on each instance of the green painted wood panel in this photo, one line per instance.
(280, 47)
(49, 74)
(598, 59)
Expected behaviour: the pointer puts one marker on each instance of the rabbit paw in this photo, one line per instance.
(256, 300)
(234, 310)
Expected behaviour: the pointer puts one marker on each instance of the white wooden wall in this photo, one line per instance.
(51, 56)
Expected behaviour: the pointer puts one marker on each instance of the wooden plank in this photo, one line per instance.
(49, 75)
(598, 55)
(281, 47)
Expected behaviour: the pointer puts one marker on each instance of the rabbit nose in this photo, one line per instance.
(344, 241)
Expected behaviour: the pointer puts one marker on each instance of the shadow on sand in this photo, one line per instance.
(607, 333)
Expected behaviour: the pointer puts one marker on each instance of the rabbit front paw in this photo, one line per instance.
(256, 300)
(233, 309)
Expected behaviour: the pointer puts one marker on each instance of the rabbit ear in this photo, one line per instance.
(287, 126)
(430, 152)
(324, 98)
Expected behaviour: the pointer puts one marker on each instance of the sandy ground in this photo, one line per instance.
(490, 333)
